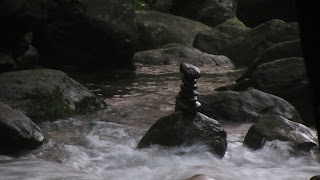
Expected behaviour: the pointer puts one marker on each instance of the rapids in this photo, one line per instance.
(102, 145)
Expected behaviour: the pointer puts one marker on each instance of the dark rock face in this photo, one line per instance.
(246, 106)
(153, 35)
(6, 62)
(177, 53)
(209, 12)
(95, 33)
(278, 51)
(270, 128)
(45, 94)
(29, 59)
(315, 177)
(186, 27)
(177, 129)
(17, 132)
(244, 50)
(255, 12)
(287, 79)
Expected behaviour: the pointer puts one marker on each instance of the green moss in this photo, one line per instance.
(141, 5)
(87, 104)
(48, 106)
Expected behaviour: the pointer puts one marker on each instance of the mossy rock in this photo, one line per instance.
(153, 35)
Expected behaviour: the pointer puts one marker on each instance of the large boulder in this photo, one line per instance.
(213, 41)
(255, 12)
(177, 53)
(179, 129)
(186, 27)
(278, 51)
(245, 106)
(287, 79)
(45, 94)
(269, 128)
(88, 33)
(244, 50)
(209, 12)
(18, 133)
(153, 35)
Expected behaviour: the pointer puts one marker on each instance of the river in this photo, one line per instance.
(102, 145)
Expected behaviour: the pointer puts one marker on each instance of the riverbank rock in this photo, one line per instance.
(18, 133)
(253, 13)
(315, 177)
(45, 94)
(6, 62)
(287, 79)
(245, 106)
(278, 51)
(213, 41)
(186, 27)
(88, 34)
(177, 53)
(153, 35)
(244, 50)
(269, 128)
(209, 12)
(178, 129)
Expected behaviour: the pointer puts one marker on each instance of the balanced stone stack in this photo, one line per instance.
(187, 101)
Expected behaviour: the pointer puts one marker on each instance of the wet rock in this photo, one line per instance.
(244, 50)
(88, 34)
(200, 177)
(6, 62)
(269, 128)
(213, 41)
(178, 130)
(246, 106)
(186, 27)
(209, 12)
(177, 53)
(45, 94)
(317, 177)
(18, 133)
(287, 79)
(153, 35)
(278, 51)
(253, 13)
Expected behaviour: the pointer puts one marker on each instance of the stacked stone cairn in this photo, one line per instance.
(187, 100)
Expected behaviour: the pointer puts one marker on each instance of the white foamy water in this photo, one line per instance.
(102, 145)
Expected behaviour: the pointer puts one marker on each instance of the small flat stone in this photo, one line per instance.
(188, 93)
(192, 87)
(190, 71)
(188, 82)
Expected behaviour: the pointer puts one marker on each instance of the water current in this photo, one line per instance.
(102, 145)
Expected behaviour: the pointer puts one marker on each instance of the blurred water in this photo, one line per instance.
(102, 145)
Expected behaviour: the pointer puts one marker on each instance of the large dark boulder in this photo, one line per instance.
(186, 27)
(153, 35)
(255, 12)
(245, 106)
(88, 34)
(269, 128)
(209, 12)
(287, 79)
(244, 50)
(179, 129)
(177, 53)
(45, 94)
(6, 62)
(213, 41)
(17, 132)
(278, 51)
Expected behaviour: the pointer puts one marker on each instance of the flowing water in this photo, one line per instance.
(102, 145)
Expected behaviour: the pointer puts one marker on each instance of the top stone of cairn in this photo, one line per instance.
(190, 71)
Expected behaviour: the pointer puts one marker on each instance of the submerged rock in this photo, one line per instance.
(45, 94)
(200, 177)
(18, 133)
(178, 129)
(246, 106)
(177, 53)
(269, 128)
